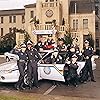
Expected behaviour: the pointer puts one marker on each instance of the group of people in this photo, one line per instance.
(45, 45)
(70, 69)
(29, 56)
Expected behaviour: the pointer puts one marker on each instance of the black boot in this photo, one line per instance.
(17, 87)
(93, 80)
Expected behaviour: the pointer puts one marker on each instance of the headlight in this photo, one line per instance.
(6, 71)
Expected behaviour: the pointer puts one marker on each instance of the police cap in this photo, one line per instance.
(86, 41)
(29, 43)
(23, 46)
(74, 56)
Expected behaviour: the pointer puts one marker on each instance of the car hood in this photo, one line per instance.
(8, 65)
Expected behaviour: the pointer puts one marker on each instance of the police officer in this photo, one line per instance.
(73, 49)
(21, 66)
(32, 57)
(62, 48)
(71, 76)
(87, 70)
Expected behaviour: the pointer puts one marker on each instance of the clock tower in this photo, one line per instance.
(49, 10)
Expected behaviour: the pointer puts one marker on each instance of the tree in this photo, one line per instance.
(7, 42)
(67, 38)
(26, 37)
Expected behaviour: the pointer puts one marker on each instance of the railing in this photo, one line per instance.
(61, 28)
(50, 4)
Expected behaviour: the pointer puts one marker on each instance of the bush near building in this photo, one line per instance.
(7, 42)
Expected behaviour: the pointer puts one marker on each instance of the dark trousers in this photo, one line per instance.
(33, 73)
(87, 71)
(89, 68)
(21, 67)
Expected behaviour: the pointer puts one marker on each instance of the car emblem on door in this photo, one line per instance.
(47, 70)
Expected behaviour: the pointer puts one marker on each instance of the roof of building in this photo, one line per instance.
(12, 12)
(30, 5)
(83, 6)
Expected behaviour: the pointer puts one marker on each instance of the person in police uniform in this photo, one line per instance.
(32, 58)
(62, 48)
(21, 63)
(70, 72)
(87, 70)
(73, 49)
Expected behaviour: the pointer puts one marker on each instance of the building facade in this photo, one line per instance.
(75, 16)
(10, 19)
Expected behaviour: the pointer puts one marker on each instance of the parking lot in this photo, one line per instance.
(48, 91)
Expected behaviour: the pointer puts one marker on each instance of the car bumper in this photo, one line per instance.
(9, 78)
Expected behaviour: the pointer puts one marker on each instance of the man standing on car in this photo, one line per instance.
(21, 63)
(32, 57)
(87, 70)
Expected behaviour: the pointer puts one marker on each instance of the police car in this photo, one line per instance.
(47, 68)
(11, 55)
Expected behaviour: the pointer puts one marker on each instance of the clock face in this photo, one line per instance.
(49, 13)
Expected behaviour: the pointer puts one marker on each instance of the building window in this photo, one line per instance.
(51, 0)
(46, 0)
(85, 23)
(10, 19)
(14, 19)
(32, 14)
(23, 19)
(75, 24)
(97, 43)
(1, 19)
(97, 26)
(10, 30)
(1, 31)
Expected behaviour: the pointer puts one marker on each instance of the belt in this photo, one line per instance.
(32, 60)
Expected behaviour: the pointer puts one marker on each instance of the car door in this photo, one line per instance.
(50, 70)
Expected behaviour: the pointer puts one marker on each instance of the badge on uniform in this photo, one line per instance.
(21, 53)
(31, 53)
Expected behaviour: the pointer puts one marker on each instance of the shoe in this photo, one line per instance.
(68, 85)
(76, 85)
(30, 88)
(37, 87)
(22, 88)
(93, 80)
(17, 87)
(84, 82)
(81, 81)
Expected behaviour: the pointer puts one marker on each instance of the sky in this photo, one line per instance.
(14, 4)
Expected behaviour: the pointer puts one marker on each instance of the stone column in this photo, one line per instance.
(17, 38)
(32, 35)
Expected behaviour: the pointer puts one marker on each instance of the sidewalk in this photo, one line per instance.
(12, 95)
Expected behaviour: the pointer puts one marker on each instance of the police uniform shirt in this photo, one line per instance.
(22, 55)
(88, 52)
(73, 69)
(32, 54)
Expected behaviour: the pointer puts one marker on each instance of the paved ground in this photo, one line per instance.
(89, 91)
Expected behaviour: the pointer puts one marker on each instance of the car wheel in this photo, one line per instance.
(7, 59)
